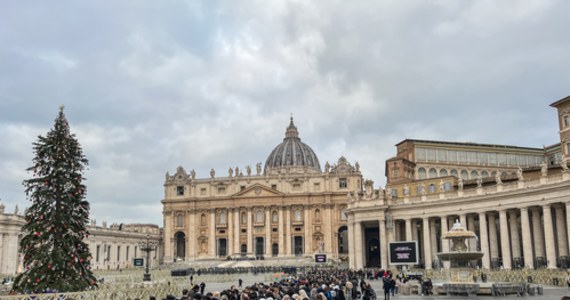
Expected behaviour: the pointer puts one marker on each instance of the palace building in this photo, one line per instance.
(288, 208)
(516, 199)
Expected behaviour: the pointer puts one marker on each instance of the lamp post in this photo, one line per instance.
(147, 247)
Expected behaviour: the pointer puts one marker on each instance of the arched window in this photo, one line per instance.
(474, 174)
(318, 214)
(274, 217)
(259, 216)
(454, 173)
(447, 186)
(203, 220)
(464, 174)
(484, 174)
(223, 218)
(432, 173)
(298, 215)
(421, 173)
(179, 220)
(431, 188)
(243, 218)
(442, 172)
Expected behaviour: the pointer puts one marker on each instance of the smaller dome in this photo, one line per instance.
(292, 153)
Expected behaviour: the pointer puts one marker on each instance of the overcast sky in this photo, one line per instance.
(152, 85)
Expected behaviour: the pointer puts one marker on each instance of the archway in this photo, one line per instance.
(259, 246)
(343, 240)
(274, 249)
(180, 251)
(222, 247)
(298, 245)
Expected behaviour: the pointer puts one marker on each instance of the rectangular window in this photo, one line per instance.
(274, 186)
(462, 156)
(241, 188)
(118, 253)
(430, 154)
(97, 253)
(127, 253)
(342, 183)
(452, 156)
(420, 154)
(492, 158)
(568, 148)
(317, 186)
(472, 157)
(565, 121)
(482, 158)
(221, 190)
(180, 190)
(442, 155)
(203, 191)
(394, 193)
(296, 186)
(501, 159)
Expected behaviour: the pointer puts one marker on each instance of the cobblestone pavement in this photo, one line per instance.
(550, 293)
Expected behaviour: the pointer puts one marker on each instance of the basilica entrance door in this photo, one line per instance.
(222, 247)
(180, 245)
(259, 246)
(298, 245)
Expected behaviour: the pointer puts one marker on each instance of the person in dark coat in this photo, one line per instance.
(202, 287)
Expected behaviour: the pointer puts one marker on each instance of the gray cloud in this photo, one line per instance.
(151, 85)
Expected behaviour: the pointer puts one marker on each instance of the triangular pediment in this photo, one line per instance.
(258, 190)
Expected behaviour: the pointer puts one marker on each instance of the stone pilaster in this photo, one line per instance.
(237, 231)
(212, 235)
(288, 239)
(192, 239)
(281, 233)
(433, 239)
(267, 232)
(249, 231)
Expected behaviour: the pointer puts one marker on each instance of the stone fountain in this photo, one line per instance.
(460, 277)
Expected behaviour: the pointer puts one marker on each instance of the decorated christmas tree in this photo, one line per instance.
(55, 256)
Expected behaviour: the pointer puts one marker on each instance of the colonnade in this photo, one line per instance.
(535, 236)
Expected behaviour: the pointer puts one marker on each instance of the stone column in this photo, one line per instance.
(444, 229)
(433, 239)
(383, 244)
(230, 241)
(408, 229)
(358, 245)
(397, 230)
(537, 234)
(444, 242)
(484, 238)
(415, 229)
(288, 241)
(549, 237)
(281, 233)
(526, 239)
(267, 231)
(308, 226)
(191, 239)
(493, 241)
(328, 229)
(567, 228)
(249, 231)
(427, 243)
(212, 234)
(561, 231)
(351, 242)
(237, 231)
(515, 240)
(472, 243)
(505, 243)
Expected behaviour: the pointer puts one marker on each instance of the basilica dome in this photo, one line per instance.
(292, 153)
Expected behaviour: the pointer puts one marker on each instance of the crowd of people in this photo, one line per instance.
(311, 284)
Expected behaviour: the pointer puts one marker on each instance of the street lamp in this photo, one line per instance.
(147, 247)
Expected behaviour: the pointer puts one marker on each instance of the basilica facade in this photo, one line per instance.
(286, 208)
